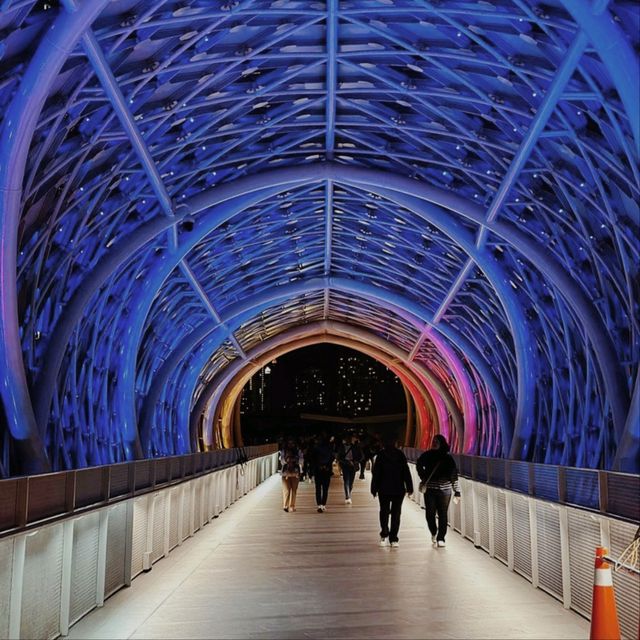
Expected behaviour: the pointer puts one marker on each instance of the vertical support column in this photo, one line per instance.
(128, 550)
(605, 532)
(477, 536)
(101, 573)
(564, 557)
(65, 587)
(462, 510)
(17, 581)
(148, 545)
(167, 523)
(192, 510)
(509, 517)
(533, 535)
(180, 514)
(491, 500)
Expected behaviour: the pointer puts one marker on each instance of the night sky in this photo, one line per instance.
(284, 414)
(325, 357)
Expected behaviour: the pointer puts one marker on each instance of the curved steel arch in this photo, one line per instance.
(17, 131)
(372, 179)
(574, 192)
(218, 390)
(219, 208)
(415, 390)
(403, 306)
(221, 413)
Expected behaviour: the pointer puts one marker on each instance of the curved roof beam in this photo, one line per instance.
(586, 312)
(17, 132)
(562, 77)
(223, 410)
(243, 312)
(396, 188)
(216, 390)
(614, 50)
(119, 255)
(405, 308)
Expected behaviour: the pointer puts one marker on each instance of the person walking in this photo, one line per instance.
(349, 457)
(390, 480)
(290, 481)
(367, 454)
(437, 468)
(322, 469)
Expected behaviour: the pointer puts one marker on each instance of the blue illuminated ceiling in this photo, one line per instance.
(184, 185)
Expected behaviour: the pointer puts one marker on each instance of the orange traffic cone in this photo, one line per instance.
(604, 618)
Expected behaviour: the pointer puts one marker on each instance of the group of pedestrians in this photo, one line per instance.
(315, 460)
(390, 479)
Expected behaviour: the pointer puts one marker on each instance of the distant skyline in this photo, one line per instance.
(280, 383)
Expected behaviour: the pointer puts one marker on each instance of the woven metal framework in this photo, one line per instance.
(188, 185)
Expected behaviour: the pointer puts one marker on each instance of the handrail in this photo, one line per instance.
(30, 501)
(609, 492)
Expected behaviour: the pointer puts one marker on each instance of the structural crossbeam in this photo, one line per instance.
(553, 95)
(202, 294)
(117, 99)
(331, 75)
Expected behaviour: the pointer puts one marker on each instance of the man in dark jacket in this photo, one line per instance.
(390, 480)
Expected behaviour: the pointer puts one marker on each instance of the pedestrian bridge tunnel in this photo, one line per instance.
(189, 189)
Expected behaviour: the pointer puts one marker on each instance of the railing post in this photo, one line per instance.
(180, 514)
(148, 547)
(70, 491)
(67, 559)
(491, 498)
(562, 485)
(564, 557)
(17, 582)
(167, 522)
(131, 480)
(22, 502)
(103, 532)
(603, 492)
(509, 517)
(477, 535)
(533, 537)
(128, 549)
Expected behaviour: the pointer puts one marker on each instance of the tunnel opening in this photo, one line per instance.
(323, 388)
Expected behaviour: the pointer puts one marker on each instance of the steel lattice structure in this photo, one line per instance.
(189, 187)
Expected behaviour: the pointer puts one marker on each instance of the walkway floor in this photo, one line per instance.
(259, 572)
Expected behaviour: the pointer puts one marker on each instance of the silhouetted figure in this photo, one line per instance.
(349, 457)
(438, 468)
(322, 461)
(390, 480)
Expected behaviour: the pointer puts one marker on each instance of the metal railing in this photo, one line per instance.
(30, 501)
(608, 492)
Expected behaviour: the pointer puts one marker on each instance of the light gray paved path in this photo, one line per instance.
(258, 572)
